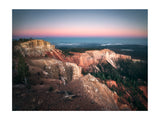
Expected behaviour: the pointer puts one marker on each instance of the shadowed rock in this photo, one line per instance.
(98, 93)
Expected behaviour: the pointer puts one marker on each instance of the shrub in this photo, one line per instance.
(132, 70)
(41, 83)
(22, 71)
(129, 99)
(50, 89)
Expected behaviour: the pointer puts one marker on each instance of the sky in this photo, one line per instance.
(79, 23)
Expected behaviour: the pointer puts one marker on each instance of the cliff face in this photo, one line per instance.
(37, 44)
(34, 48)
(87, 60)
(94, 57)
(41, 48)
(57, 69)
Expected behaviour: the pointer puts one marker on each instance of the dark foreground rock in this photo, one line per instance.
(87, 92)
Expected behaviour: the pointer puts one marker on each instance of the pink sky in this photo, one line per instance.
(85, 32)
(80, 23)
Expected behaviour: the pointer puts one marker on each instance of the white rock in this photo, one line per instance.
(45, 73)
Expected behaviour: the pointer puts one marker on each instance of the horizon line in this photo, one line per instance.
(36, 37)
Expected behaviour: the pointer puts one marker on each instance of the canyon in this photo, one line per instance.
(41, 48)
(48, 67)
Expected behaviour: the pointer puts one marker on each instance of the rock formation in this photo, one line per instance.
(57, 69)
(111, 83)
(96, 56)
(87, 60)
(37, 44)
(34, 48)
(98, 93)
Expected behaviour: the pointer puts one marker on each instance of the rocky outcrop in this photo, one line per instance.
(111, 83)
(57, 69)
(144, 89)
(98, 93)
(96, 56)
(34, 48)
(37, 44)
(56, 53)
(87, 87)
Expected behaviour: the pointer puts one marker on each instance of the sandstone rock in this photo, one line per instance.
(88, 60)
(111, 83)
(144, 89)
(92, 68)
(35, 48)
(37, 44)
(57, 69)
(45, 73)
(125, 107)
(98, 93)
(94, 57)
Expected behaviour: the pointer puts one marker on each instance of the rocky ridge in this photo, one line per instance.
(34, 48)
(94, 57)
(88, 86)
(88, 59)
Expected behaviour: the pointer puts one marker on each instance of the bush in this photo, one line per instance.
(132, 70)
(50, 89)
(22, 71)
(129, 99)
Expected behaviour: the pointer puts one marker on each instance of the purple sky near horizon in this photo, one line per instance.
(80, 23)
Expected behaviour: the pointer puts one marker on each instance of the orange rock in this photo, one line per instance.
(124, 107)
(96, 56)
(40, 48)
(111, 83)
(144, 89)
